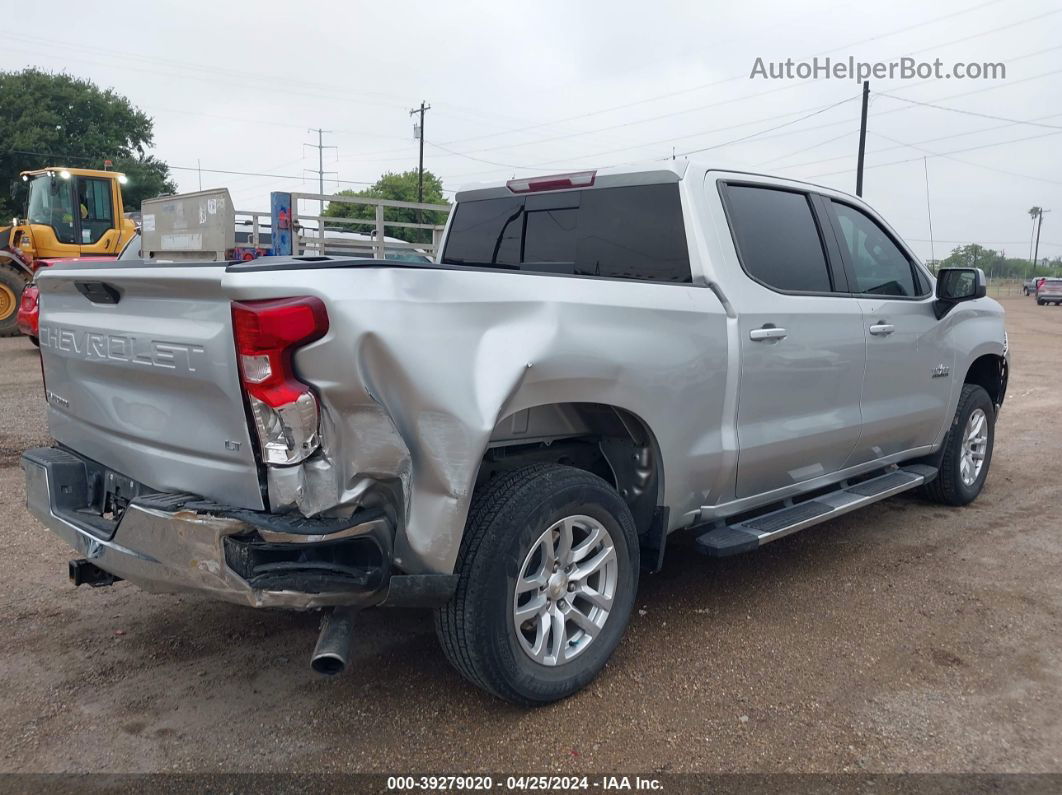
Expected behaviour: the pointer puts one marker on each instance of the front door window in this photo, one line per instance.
(880, 267)
(96, 209)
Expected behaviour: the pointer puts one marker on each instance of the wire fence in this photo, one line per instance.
(1006, 288)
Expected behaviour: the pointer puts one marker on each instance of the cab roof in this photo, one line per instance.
(76, 172)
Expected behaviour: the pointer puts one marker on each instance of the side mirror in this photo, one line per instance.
(955, 285)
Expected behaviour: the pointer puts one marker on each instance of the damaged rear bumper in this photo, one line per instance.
(179, 543)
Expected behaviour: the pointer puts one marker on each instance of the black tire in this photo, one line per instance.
(12, 282)
(36, 341)
(1040, 302)
(948, 487)
(508, 515)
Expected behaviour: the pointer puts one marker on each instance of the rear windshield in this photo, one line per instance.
(631, 232)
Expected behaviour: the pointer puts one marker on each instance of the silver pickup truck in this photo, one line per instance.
(510, 434)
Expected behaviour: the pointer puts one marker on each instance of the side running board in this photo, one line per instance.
(725, 540)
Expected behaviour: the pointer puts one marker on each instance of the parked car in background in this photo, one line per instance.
(1030, 285)
(509, 434)
(1049, 291)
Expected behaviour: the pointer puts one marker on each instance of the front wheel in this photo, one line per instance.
(548, 574)
(11, 284)
(967, 449)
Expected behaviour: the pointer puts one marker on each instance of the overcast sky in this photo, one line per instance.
(532, 88)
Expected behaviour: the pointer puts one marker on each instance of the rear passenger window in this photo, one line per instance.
(632, 232)
(777, 238)
(879, 266)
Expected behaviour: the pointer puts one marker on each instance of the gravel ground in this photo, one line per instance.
(909, 637)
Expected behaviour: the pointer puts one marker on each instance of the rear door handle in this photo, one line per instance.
(882, 329)
(768, 333)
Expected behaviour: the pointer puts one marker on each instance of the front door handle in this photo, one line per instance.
(882, 329)
(768, 333)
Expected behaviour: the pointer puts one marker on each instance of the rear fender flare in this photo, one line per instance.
(10, 258)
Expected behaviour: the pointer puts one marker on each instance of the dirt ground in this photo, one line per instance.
(908, 637)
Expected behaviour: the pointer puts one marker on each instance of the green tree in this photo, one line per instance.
(996, 265)
(56, 119)
(398, 187)
(970, 256)
(147, 176)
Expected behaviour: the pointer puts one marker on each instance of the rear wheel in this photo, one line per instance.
(1040, 302)
(967, 449)
(548, 573)
(11, 284)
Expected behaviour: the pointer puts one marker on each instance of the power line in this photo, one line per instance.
(761, 137)
(731, 79)
(259, 122)
(965, 162)
(822, 126)
(788, 87)
(480, 159)
(941, 154)
(970, 112)
(950, 96)
(903, 145)
(807, 149)
(260, 174)
(769, 129)
(993, 242)
(467, 155)
(193, 70)
(82, 158)
(681, 154)
(670, 139)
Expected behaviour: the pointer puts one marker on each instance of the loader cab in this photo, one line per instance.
(74, 213)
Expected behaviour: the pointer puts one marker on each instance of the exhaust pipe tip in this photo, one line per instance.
(328, 664)
(332, 653)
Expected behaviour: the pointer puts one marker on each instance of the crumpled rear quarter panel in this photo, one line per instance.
(420, 364)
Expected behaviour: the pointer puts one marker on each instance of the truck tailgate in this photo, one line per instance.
(141, 375)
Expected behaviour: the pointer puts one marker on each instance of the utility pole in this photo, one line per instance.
(1031, 233)
(929, 213)
(199, 167)
(418, 132)
(1039, 224)
(862, 139)
(320, 147)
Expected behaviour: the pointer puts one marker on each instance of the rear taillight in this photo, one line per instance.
(579, 179)
(285, 409)
(30, 298)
